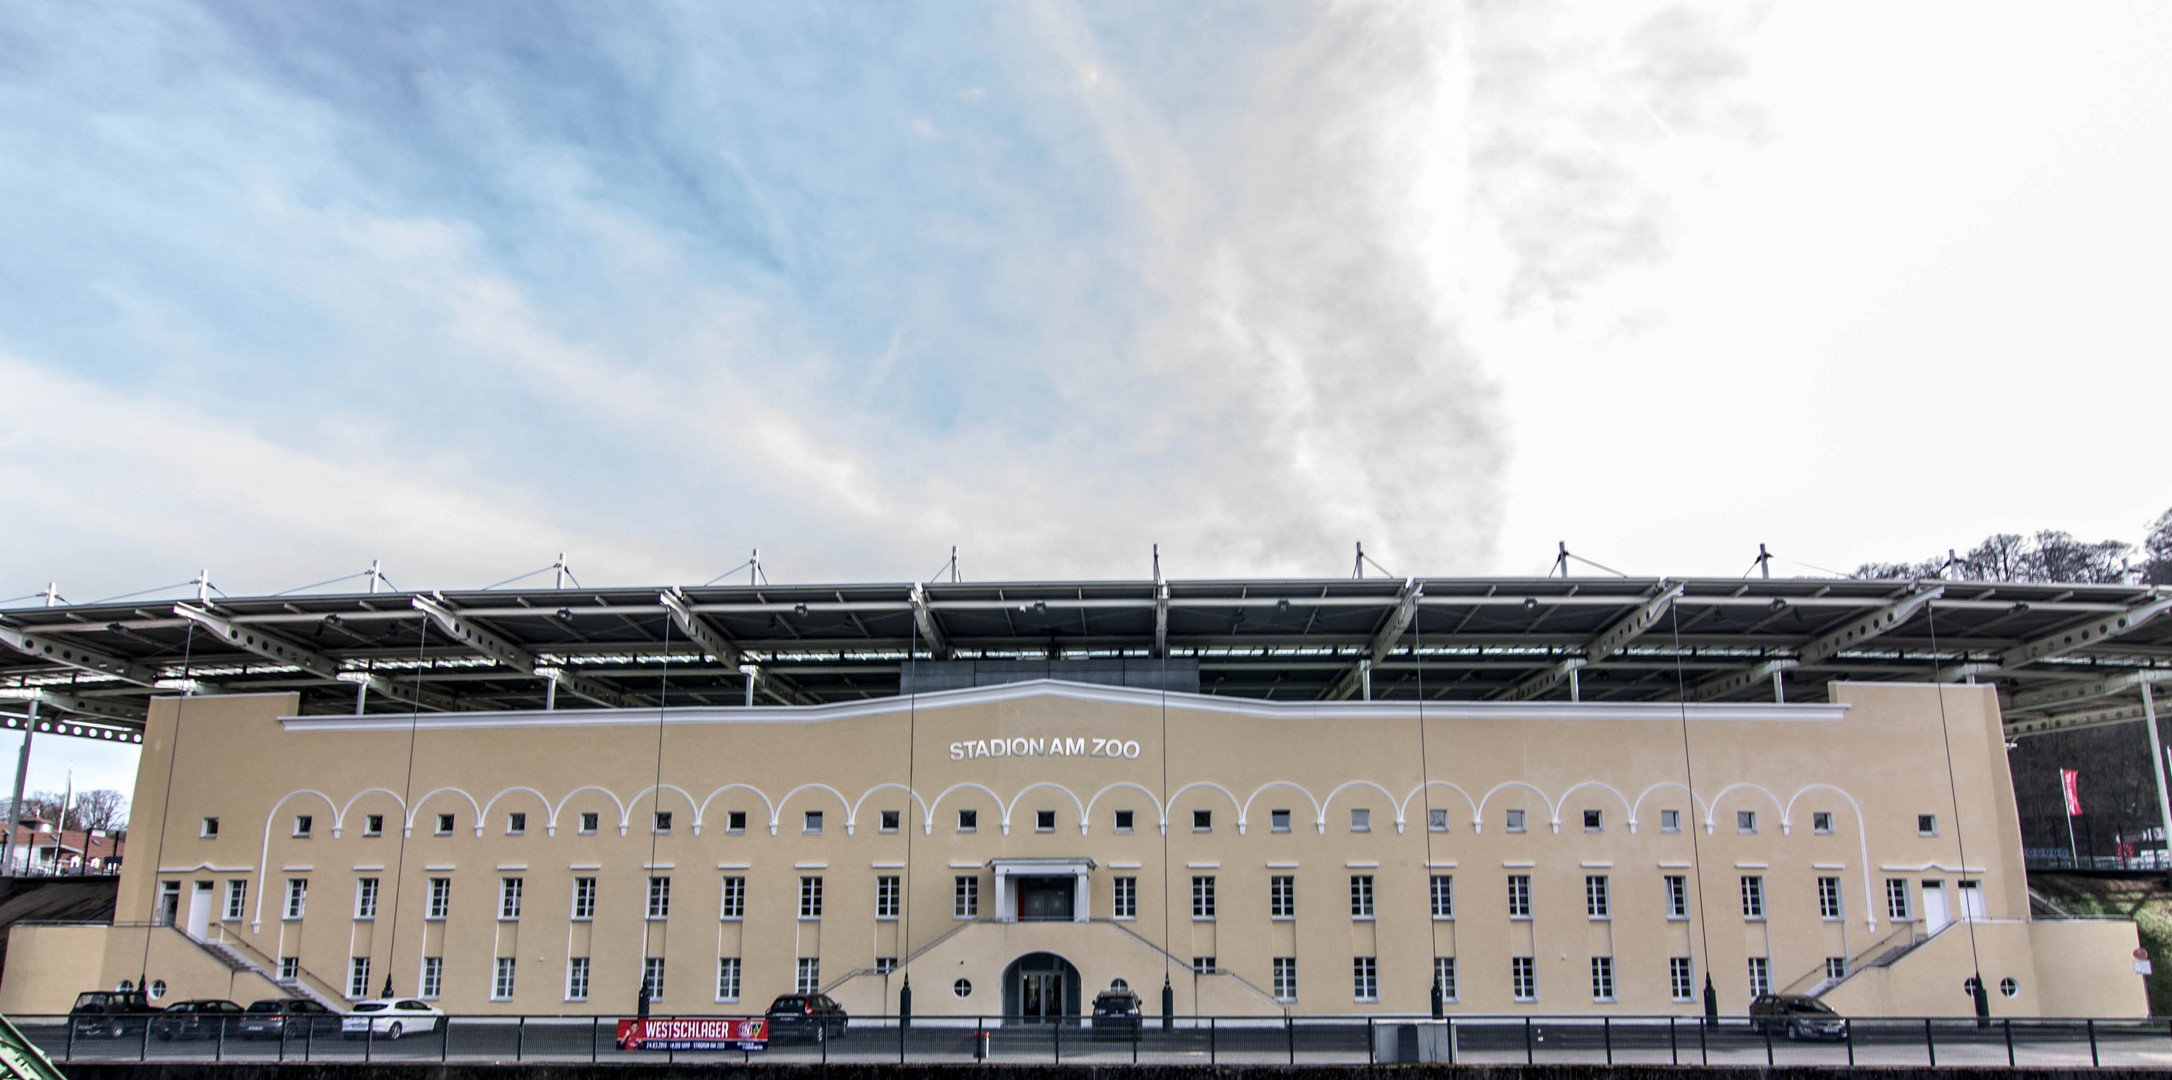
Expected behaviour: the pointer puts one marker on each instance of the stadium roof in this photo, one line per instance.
(2062, 655)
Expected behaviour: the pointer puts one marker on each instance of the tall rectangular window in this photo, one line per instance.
(1444, 976)
(1753, 896)
(440, 898)
(1365, 978)
(734, 902)
(1679, 978)
(1760, 976)
(1203, 897)
(1282, 896)
(297, 896)
(584, 898)
(1597, 903)
(1523, 977)
(1444, 896)
(1677, 896)
(433, 977)
(358, 977)
(365, 898)
(237, 898)
(886, 896)
(577, 978)
(809, 979)
(727, 978)
(659, 897)
(1896, 899)
(1285, 982)
(810, 897)
(1126, 904)
(509, 898)
(965, 896)
(1361, 896)
(1519, 896)
(1829, 898)
(652, 977)
(1602, 978)
(501, 982)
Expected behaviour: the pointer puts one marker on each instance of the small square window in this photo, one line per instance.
(1926, 824)
(1123, 821)
(1203, 965)
(1279, 820)
(444, 824)
(1361, 821)
(1821, 822)
(588, 823)
(210, 829)
(1202, 821)
(1044, 821)
(813, 827)
(516, 824)
(1670, 821)
(1745, 821)
(302, 824)
(1594, 820)
(1515, 821)
(663, 821)
(968, 820)
(735, 821)
(373, 825)
(1436, 820)
(889, 821)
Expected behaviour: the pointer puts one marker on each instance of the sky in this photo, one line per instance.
(288, 288)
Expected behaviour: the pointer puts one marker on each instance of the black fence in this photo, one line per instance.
(1291, 1040)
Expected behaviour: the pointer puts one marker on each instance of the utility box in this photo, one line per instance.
(1430, 1042)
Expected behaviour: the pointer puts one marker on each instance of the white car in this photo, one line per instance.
(391, 1018)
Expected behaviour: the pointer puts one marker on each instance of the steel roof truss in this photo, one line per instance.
(513, 656)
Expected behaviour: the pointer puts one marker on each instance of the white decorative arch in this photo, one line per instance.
(341, 821)
(561, 807)
(1318, 813)
(777, 814)
(1416, 791)
(256, 913)
(1040, 784)
(855, 814)
(1711, 814)
(703, 812)
(1384, 793)
(928, 827)
(1609, 788)
(1171, 805)
(1551, 813)
(485, 812)
(1150, 799)
(1862, 840)
(1694, 805)
(415, 811)
(626, 812)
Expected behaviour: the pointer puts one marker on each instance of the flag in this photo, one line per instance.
(2070, 782)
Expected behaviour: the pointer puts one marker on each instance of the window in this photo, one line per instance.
(734, 903)
(1597, 903)
(663, 821)
(1361, 896)
(968, 820)
(1680, 979)
(516, 824)
(440, 900)
(886, 896)
(652, 977)
(1282, 896)
(1365, 978)
(1829, 898)
(302, 824)
(735, 821)
(813, 826)
(1602, 978)
(1836, 967)
(1753, 897)
(889, 821)
(809, 980)
(1926, 824)
(1126, 905)
(884, 965)
(727, 978)
(584, 899)
(1123, 821)
(810, 897)
(237, 898)
(297, 896)
(962, 988)
(1044, 821)
(444, 824)
(365, 898)
(577, 978)
(1204, 965)
(1896, 899)
(660, 897)
(1436, 821)
(373, 825)
(965, 896)
(433, 977)
(1523, 977)
(1519, 896)
(1278, 820)
(1361, 821)
(1677, 896)
(358, 977)
(1670, 821)
(1285, 981)
(1444, 896)
(501, 982)
(1594, 820)
(1760, 976)
(588, 823)
(1202, 821)
(1444, 976)
(290, 967)
(509, 898)
(1515, 821)
(1203, 898)
(1745, 821)
(1821, 822)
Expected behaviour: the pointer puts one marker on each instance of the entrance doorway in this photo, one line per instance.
(1041, 988)
(200, 911)
(1934, 907)
(1044, 898)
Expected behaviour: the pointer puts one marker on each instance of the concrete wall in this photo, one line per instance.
(48, 965)
(2060, 969)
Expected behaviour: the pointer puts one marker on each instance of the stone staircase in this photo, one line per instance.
(239, 957)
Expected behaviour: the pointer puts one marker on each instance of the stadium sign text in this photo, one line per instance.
(1054, 746)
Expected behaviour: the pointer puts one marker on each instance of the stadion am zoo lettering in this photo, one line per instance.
(1055, 746)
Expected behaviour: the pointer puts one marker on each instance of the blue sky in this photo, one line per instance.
(288, 288)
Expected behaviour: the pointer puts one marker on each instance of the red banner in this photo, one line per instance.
(2070, 781)
(706, 1033)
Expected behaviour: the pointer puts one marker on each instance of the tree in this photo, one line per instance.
(104, 809)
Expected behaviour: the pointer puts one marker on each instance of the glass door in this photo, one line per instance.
(1040, 996)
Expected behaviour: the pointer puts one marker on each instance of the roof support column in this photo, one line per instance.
(2156, 762)
(22, 777)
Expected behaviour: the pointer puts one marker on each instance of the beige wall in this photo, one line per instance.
(1874, 761)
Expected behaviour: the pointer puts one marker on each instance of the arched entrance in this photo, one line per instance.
(1041, 988)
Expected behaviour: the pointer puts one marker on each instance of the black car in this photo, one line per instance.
(1116, 1012)
(1796, 1016)
(813, 1017)
(112, 1013)
(290, 1017)
(208, 1018)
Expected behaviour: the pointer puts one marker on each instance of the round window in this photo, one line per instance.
(962, 988)
(2009, 988)
(1119, 984)
(1968, 986)
(158, 989)
(126, 985)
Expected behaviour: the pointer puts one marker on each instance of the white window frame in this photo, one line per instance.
(1753, 897)
(439, 904)
(577, 973)
(965, 896)
(1519, 896)
(1682, 978)
(431, 984)
(1442, 890)
(365, 899)
(509, 891)
(358, 977)
(659, 908)
(1365, 979)
(653, 971)
(584, 899)
(728, 973)
(1523, 977)
(1285, 978)
(1282, 897)
(807, 975)
(810, 898)
(1831, 906)
(1361, 819)
(732, 899)
(1598, 898)
(1203, 906)
(1602, 978)
(886, 897)
(504, 970)
(297, 903)
(1124, 897)
(1677, 888)
(1444, 975)
(237, 899)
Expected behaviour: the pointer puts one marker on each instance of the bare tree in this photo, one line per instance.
(104, 809)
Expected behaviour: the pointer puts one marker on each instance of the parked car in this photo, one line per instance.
(112, 1013)
(390, 1018)
(292, 1018)
(1797, 1016)
(205, 1018)
(814, 1017)
(1116, 1012)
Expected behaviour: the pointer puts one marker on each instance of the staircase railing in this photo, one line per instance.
(305, 980)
